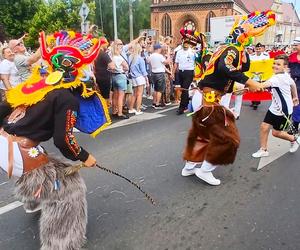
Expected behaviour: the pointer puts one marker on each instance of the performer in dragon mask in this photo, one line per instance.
(56, 98)
(213, 139)
(190, 70)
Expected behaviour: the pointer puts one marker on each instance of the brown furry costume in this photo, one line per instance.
(215, 139)
(64, 210)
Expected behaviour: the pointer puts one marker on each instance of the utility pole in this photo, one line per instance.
(115, 20)
(130, 21)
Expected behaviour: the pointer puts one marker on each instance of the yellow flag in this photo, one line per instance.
(262, 69)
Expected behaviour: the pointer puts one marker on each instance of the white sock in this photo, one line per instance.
(189, 165)
(208, 167)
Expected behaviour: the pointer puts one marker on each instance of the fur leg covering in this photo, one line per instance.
(64, 208)
(222, 141)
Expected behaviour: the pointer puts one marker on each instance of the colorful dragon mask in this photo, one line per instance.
(67, 52)
(190, 35)
(247, 27)
(67, 64)
(196, 39)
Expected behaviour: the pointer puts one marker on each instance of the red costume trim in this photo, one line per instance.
(70, 138)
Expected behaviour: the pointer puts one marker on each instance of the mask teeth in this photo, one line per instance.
(85, 45)
(79, 43)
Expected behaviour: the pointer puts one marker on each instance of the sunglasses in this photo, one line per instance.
(19, 44)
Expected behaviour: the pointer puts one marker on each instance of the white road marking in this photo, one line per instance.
(167, 109)
(10, 206)
(140, 118)
(3, 183)
(277, 148)
(135, 119)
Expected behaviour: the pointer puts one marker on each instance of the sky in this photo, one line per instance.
(297, 5)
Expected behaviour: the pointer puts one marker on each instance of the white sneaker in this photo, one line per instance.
(30, 211)
(294, 147)
(144, 107)
(132, 111)
(260, 153)
(207, 177)
(139, 112)
(189, 168)
(150, 97)
(187, 172)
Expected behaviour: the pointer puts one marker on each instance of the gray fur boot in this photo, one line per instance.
(64, 208)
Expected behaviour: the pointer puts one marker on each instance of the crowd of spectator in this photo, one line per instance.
(128, 74)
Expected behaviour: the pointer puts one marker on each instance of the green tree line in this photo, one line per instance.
(31, 16)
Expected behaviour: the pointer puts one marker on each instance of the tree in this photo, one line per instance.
(141, 17)
(32, 16)
(56, 15)
(16, 16)
(2, 33)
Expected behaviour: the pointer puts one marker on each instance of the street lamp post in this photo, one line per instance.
(115, 20)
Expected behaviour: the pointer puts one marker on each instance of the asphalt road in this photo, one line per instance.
(250, 210)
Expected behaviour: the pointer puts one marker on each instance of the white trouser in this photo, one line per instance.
(17, 162)
(238, 104)
(225, 100)
(238, 99)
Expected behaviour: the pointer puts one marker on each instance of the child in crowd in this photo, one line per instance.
(284, 97)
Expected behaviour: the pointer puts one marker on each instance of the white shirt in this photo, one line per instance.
(185, 59)
(118, 60)
(283, 83)
(157, 63)
(262, 56)
(9, 68)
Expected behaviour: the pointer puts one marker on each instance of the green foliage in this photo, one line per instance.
(32, 16)
(16, 16)
(141, 17)
(56, 15)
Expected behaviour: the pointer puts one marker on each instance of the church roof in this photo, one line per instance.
(191, 2)
(253, 5)
(289, 13)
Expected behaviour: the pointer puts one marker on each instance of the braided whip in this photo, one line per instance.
(130, 181)
(72, 169)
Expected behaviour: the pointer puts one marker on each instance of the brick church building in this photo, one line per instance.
(168, 16)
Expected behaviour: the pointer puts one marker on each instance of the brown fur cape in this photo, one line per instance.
(215, 139)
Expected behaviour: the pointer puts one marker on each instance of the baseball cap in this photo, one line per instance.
(157, 46)
(296, 41)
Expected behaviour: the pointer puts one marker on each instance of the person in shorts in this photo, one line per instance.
(119, 80)
(278, 116)
(158, 62)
